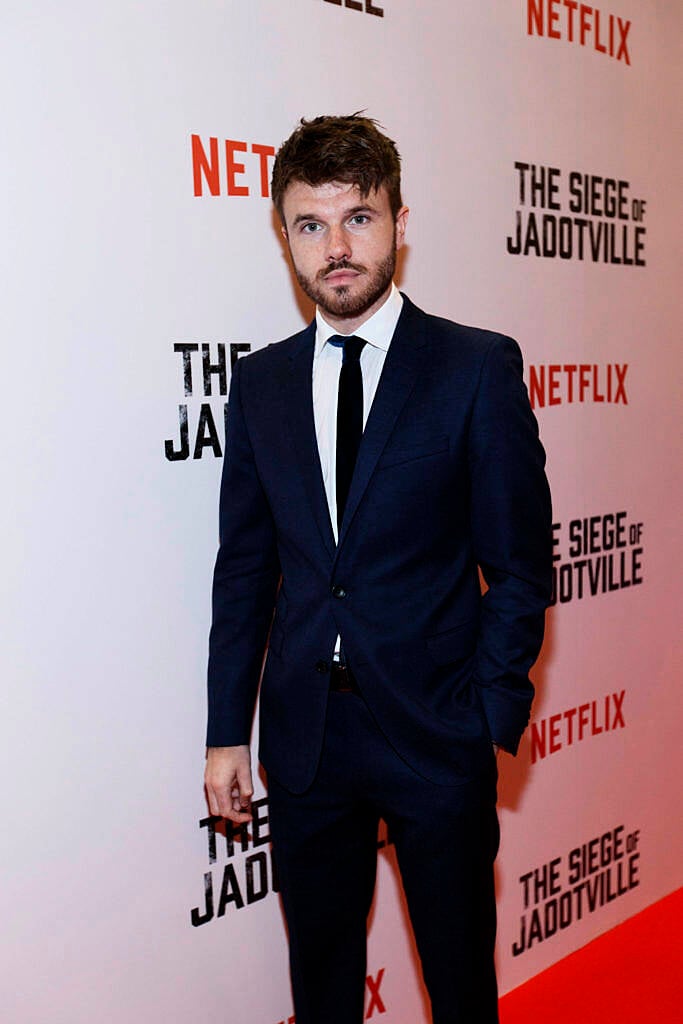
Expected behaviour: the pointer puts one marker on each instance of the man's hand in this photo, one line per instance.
(227, 778)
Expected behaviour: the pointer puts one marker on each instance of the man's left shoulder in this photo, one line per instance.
(457, 341)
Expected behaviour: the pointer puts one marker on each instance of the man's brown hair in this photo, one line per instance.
(349, 149)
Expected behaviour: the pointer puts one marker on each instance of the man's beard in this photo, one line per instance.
(340, 302)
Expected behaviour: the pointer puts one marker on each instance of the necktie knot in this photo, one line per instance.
(351, 345)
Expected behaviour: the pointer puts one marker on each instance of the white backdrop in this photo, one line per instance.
(110, 260)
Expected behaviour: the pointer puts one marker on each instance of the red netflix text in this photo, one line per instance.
(552, 734)
(559, 384)
(580, 23)
(224, 170)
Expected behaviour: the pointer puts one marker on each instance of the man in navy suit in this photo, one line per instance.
(374, 462)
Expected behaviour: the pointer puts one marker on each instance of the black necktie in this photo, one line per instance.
(349, 417)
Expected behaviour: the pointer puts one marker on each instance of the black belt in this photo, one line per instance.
(342, 679)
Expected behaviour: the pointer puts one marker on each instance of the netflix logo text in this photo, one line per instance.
(562, 730)
(581, 24)
(231, 167)
(564, 383)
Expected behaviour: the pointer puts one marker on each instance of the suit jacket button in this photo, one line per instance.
(338, 590)
(322, 667)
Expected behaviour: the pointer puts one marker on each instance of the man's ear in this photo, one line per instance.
(401, 223)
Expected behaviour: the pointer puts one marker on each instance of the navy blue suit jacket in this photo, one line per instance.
(450, 476)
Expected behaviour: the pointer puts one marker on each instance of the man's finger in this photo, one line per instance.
(244, 785)
(238, 816)
(222, 806)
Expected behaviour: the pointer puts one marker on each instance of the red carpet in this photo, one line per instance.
(630, 975)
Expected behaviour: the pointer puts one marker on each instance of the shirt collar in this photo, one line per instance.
(377, 331)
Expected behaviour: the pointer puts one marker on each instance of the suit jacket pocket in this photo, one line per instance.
(394, 456)
(454, 644)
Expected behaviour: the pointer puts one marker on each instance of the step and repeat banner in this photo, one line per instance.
(542, 163)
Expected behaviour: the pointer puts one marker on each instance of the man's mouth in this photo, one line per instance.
(342, 275)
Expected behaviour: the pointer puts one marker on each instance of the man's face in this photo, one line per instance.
(343, 247)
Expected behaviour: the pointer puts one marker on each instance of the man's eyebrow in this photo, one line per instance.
(351, 212)
(303, 216)
(362, 208)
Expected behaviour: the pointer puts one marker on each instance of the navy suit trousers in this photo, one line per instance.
(325, 846)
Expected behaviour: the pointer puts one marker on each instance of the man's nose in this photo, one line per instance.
(339, 245)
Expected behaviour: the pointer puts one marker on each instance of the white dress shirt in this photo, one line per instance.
(377, 332)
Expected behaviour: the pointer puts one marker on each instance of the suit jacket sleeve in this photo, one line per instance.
(512, 532)
(244, 584)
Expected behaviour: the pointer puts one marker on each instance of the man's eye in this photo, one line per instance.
(360, 218)
(310, 228)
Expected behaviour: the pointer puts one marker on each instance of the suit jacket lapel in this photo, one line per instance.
(401, 367)
(301, 426)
